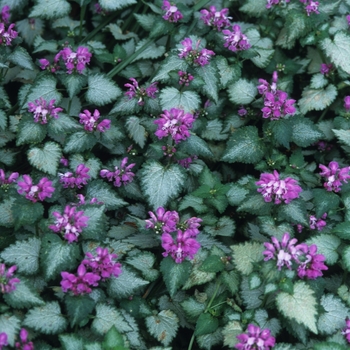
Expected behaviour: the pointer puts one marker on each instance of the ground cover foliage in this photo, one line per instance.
(174, 174)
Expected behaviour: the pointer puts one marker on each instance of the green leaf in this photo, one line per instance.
(107, 316)
(318, 81)
(254, 7)
(335, 313)
(30, 132)
(174, 275)
(294, 212)
(125, 285)
(236, 194)
(338, 50)
(71, 342)
(171, 97)
(57, 255)
(305, 132)
(213, 130)
(62, 125)
(112, 5)
(191, 201)
(79, 307)
(329, 346)
(126, 106)
(231, 280)
(24, 296)
(346, 257)
(152, 51)
(28, 212)
(101, 89)
(317, 99)
(246, 255)
(144, 262)
(44, 87)
(224, 227)
(262, 48)
(324, 201)
(255, 205)
(343, 136)
(47, 158)
(136, 130)
(113, 339)
(163, 326)
(195, 145)
(282, 131)
(192, 308)
(230, 332)
(211, 82)
(10, 325)
(80, 141)
(21, 57)
(96, 228)
(206, 324)
(268, 226)
(103, 192)
(171, 63)
(146, 21)
(262, 318)
(161, 184)
(46, 319)
(342, 230)
(24, 254)
(49, 9)
(244, 146)
(74, 83)
(300, 306)
(212, 263)
(227, 73)
(242, 92)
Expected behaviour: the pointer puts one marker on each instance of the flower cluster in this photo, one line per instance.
(236, 40)
(193, 55)
(326, 68)
(90, 121)
(185, 245)
(7, 281)
(11, 179)
(185, 78)
(37, 192)
(346, 330)
(172, 14)
(90, 271)
(169, 150)
(70, 224)
(24, 344)
(141, 92)
(310, 264)
(7, 34)
(274, 189)
(276, 103)
(314, 223)
(74, 61)
(311, 6)
(216, 19)
(255, 338)
(270, 3)
(120, 176)
(81, 176)
(175, 123)
(43, 110)
(334, 176)
(3, 340)
(186, 162)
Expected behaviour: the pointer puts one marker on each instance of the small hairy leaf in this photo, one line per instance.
(326, 245)
(171, 97)
(227, 73)
(294, 212)
(230, 332)
(49, 9)
(96, 225)
(299, 306)
(21, 57)
(305, 132)
(242, 92)
(79, 307)
(44, 87)
(112, 5)
(245, 255)
(80, 141)
(152, 50)
(10, 325)
(144, 262)
(30, 132)
(137, 131)
(211, 82)
(206, 323)
(71, 342)
(171, 63)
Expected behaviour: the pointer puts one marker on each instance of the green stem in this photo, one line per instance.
(123, 64)
(69, 105)
(191, 342)
(13, 109)
(323, 114)
(200, 4)
(82, 16)
(130, 17)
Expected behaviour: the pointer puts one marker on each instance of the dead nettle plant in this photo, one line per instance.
(174, 174)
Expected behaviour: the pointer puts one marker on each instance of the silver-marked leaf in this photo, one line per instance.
(242, 92)
(10, 325)
(137, 131)
(171, 97)
(44, 87)
(112, 5)
(49, 9)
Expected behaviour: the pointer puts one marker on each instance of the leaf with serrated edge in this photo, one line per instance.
(171, 97)
(245, 255)
(10, 325)
(71, 342)
(327, 245)
(173, 62)
(242, 92)
(300, 306)
(46, 319)
(136, 130)
(24, 254)
(112, 5)
(44, 87)
(49, 9)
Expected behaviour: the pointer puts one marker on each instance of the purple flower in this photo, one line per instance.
(334, 176)
(270, 3)
(172, 13)
(43, 111)
(24, 344)
(310, 263)
(274, 189)
(141, 92)
(37, 192)
(242, 111)
(3, 340)
(326, 68)
(175, 123)
(323, 146)
(277, 106)
(185, 78)
(186, 162)
(347, 103)
(183, 247)
(194, 56)
(311, 6)
(11, 179)
(348, 19)
(266, 87)
(5, 14)
(103, 263)
(318, 224)
(90, 121)
(7, 35)
(64, 161)
(236, 40)
(345, 331)
(122, 175)
(80, 178)
(163, 221)
(255, 338)
(7, 283)
(74, 61)
(216, 19)
(81, 283)
(70, 224)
